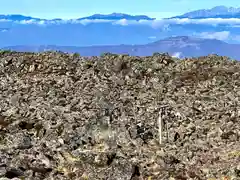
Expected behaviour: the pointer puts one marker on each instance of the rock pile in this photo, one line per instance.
(118, 117)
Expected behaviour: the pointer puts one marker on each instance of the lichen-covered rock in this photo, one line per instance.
(63, 116)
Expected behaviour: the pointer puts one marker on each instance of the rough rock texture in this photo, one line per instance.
(66, 117)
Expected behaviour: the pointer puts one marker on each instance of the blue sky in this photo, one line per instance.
(79, 8)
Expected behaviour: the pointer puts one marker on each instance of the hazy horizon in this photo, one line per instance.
(79, 8)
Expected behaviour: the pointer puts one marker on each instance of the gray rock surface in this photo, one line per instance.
(69, 117)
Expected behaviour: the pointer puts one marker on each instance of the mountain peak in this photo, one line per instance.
(214, 12)
(219, 8)
(186, 40)
(17, 17)
(117, 16)
(183, 38)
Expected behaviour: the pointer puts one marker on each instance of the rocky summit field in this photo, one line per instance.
(118, 117)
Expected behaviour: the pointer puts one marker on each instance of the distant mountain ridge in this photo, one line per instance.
(117, 16)
(18, 17)
(183, 46)
(215, 12)
(113, 16)
(117, 28)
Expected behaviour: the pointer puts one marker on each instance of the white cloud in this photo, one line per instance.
(164, 23)
(236, 38)
(124, 22)
(222, 35)
(3, 30)
(152, 37)
(210, 21)
(177, 55)
(5, 20)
